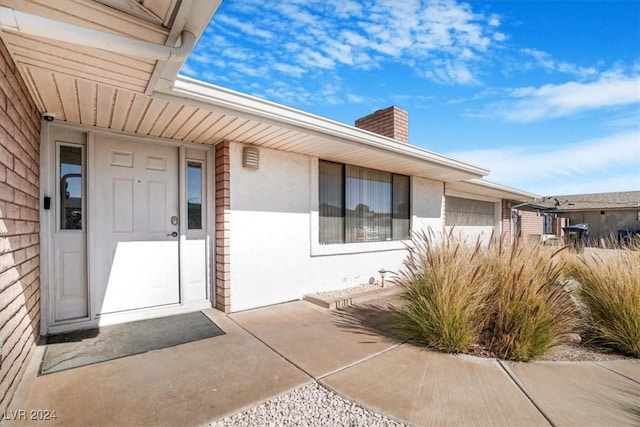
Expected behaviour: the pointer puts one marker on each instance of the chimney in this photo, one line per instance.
(392, 122)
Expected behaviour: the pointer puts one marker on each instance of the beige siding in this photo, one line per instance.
(19, 227)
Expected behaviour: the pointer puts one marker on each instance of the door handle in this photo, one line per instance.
(174, 234)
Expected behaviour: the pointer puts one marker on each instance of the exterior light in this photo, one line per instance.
(382, 272)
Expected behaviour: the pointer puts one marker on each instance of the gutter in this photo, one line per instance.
(25, 23)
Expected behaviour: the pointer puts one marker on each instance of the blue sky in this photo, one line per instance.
(546, 94)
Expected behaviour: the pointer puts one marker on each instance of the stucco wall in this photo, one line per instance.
(274, 252)
(19, 227)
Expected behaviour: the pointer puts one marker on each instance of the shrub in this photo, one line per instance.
(530, 311)
(610, 289)
(504, 299)
(444, 292)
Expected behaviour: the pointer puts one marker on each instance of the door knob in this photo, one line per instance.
(174, 234)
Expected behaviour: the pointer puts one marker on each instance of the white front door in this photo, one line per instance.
(135, 255)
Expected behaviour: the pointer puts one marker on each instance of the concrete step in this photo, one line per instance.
(351, 300)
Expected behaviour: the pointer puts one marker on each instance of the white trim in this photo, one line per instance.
(15, 21)
(318, 249)
(47, 221)
(206, 96)
(211, 226)
(121, 133)
(46, 237)
(470, 196)
(182, 227)
(90, 178)
(500, 191)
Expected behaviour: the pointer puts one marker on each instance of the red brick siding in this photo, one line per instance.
(531, 224)
(392, 122)
(223, 227)
(19, 226)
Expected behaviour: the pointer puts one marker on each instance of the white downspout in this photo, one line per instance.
(20, 22)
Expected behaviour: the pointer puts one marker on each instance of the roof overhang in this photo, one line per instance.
(108, 42)
(486, 189)
(318, 136)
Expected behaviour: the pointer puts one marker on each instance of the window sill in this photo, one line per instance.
(357, 248)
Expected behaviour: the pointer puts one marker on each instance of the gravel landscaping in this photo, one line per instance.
(311, 405)
(350, 292)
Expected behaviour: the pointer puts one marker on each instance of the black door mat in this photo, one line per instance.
(86, 347)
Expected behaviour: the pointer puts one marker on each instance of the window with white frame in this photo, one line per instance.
(362, 205)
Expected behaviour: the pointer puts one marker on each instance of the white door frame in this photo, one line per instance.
(47, 226)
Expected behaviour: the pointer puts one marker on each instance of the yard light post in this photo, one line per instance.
(382, 272)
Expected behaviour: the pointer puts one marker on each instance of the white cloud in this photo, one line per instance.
(245, 27)
(549, 101)
(545, 61)
(445, 37)
(603, 164)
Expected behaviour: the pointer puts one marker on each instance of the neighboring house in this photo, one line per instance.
(127, 191)
(606, 213)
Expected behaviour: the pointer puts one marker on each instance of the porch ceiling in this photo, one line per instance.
(38, 57)
(160, 22)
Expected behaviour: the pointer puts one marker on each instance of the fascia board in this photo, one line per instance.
(204, 94)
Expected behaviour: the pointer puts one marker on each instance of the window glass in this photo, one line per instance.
(70, 188)
(401, 212)
(331, 182)
(194, 196)
(362, 205)
(368, 205)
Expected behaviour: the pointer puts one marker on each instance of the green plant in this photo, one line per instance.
(530, 311)
(443, 293)
(610, 289)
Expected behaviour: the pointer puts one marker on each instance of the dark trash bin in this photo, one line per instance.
(627, 235)
(576, 236)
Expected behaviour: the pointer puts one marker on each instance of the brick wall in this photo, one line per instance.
(392, 122)
(223, 227)
(505, 219)
(19, 227)
(530, 224)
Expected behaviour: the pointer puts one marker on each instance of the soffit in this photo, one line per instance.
(477, 187)
(96, 104)
(35, 56)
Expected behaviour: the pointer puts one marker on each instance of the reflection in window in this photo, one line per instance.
(362, 205)
(70, 188)
(194, 196)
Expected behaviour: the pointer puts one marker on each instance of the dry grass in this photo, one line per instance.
(530, 311)
(498, 299)
(610, 289)
(444, 293)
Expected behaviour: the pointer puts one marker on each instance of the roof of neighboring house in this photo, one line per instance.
(595, 201)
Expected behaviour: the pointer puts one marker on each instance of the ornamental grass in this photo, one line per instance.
(610, 290)
(444, 292)
(496, 298)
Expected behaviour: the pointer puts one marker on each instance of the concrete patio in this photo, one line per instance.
(270, 351)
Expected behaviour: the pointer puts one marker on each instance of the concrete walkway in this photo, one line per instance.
(269, 351)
